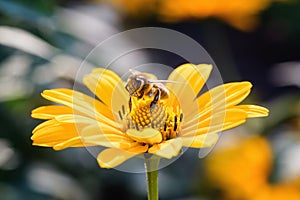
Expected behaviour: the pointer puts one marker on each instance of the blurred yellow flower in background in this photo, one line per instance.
(143, 119)
(288, 190)
(242, 171)
(241, 14)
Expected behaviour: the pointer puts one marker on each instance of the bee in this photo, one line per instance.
(152, 105)
(141, 86)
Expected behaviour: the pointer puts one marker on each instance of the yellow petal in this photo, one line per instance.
(103, 123)
(107, 86)
(71, 130)
(49, 112)
(200, 141)
(167, 149)
(193, 75)
(112, 157)
(214, 122)
(73, 142)
(79, 102)
(110, 140)
(99, 128)
(226, 95)
(103, 135)
(220, 98)
(64, 135)
(254, 110)
(51, 133)
(76, 119)
(62, 138)
(191, 79)
(138, 149)
(147, 135)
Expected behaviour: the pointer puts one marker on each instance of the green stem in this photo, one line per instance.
(151, 165)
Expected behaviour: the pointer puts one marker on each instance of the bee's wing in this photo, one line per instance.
(164, 81)
(134, 72)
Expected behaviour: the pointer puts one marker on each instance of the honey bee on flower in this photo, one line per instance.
(143, 115)
(150, 105)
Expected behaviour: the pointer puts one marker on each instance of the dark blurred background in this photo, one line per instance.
(42, 44)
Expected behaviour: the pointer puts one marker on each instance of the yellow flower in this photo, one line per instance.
(142, 117)
(245, 168)
(242, 170)
(286, 190)
(241, 14)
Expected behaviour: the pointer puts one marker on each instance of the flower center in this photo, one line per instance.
(160, 117)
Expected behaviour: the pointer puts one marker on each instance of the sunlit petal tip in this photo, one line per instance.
(36, 113)
(265, 112)
(246, 84)
(42, 125)
(243, 85)
(205, 69)
(254, 110)
(46, 92)
(33, 137)
(259, 112)
(208, 66)
(50, 94)
(37, 109)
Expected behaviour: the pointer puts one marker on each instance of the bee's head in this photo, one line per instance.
(135, 83)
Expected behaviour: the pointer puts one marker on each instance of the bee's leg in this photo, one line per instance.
(155, 100)
(130, 104)
(141, 95)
